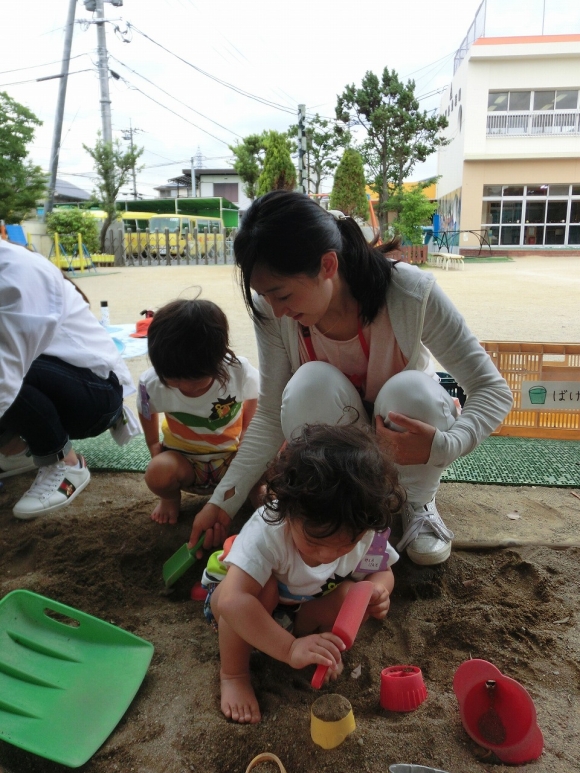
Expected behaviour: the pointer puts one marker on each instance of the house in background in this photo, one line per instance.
(68, 193)
(511, 170)
(225, 183)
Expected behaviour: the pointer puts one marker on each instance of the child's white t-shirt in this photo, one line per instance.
(262, 549)
(208, 426)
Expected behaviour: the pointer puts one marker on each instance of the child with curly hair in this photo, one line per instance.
(324, 525)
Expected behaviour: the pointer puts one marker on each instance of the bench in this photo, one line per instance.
(446, 259)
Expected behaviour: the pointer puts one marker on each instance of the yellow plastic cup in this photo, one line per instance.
(331, 733)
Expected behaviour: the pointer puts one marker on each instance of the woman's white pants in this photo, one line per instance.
(318, 393)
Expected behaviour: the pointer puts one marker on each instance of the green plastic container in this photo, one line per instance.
(66, 678)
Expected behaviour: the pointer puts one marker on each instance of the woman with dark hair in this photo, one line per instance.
(345, 334)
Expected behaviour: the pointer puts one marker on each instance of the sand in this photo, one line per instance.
(514, 607)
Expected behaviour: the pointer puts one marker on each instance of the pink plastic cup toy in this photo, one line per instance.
(402, 688)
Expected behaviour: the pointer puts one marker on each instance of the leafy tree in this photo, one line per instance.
(249, 161)
(22, 183)
(398, 133)
(279, 172)
(323, 145)
(68, 223)
(413, 210)
(113, 166)
(348, 192)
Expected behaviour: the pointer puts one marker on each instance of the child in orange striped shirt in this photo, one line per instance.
(208, 396)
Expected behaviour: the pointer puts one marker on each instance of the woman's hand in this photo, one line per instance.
(318, 648)
(413, 445)
(215, 522)
(380, 602)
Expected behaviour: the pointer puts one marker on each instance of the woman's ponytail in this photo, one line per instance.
(364, 267)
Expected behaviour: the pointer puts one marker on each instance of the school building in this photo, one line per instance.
(511, 170)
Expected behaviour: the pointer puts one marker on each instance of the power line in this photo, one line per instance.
(243, 93)
(175, 98)
(33, 66)
(46, 78)
(136, 88)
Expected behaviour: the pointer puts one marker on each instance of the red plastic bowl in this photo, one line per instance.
(510, 705)
(402, 688)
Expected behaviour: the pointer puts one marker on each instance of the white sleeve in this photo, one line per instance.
(30, 312)
(446, 335)
(255, 550)
(147, 391)
(264, 436)
(251, 380)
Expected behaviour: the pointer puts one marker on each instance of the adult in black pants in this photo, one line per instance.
(61, 379)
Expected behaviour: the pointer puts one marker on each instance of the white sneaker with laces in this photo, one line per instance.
(14, 465)
(425, 536)
(56, 485)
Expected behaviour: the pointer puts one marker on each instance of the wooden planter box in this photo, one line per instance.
(556, 369)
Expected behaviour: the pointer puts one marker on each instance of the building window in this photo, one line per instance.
(227, 191)
(460, 117)
(553, 111)
(534, 215)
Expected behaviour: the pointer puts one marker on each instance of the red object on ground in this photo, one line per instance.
(497, 712)
(402, 688)
(347, 622)
(198, 592)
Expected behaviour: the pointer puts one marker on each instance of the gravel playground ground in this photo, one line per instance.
(516, 608)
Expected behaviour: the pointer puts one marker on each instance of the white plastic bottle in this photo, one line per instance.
(105, 320)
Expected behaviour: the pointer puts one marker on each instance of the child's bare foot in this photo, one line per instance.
(167, 511)
(333, 673)
(238, 699)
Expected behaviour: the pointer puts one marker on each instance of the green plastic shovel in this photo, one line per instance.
(180, 562)
(66, 677)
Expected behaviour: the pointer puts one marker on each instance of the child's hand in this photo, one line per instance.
(318, 648)
(155, 449)
(380, 602)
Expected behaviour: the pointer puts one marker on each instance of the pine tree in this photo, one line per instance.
(348, 192)
(398, 133)
(279, 173)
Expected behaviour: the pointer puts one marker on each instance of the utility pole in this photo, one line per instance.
(57, 134)
(543, 16)
(128, 135)
(302, 172)
(103, 71)
(193, 189)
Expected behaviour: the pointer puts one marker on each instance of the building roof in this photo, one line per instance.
(70, 192)
(185, 177)
(522, 39)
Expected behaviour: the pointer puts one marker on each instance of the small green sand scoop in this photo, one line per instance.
(180, 562)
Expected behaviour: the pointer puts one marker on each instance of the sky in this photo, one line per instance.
(282, 53)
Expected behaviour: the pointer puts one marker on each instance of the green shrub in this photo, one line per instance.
(68, 223)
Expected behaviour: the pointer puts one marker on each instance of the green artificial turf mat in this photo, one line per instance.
(514, 461)
(506, 461)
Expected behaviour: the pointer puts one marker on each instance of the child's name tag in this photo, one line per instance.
(376, 558)
(145, 407)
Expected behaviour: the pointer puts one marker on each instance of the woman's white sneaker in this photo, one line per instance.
(425, 537)
(55, 486)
